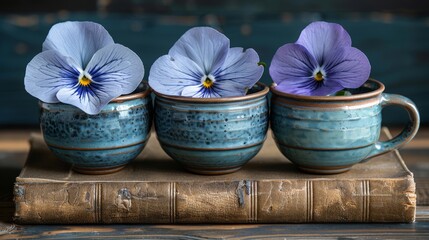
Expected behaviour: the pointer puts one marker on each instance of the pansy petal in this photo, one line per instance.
(47, 73)
(170, 75)
(116, 63)
(348, 67)
(205, 46)
(325, 90)
(313, 88)
(198, 91)
(287, 88)
(192, 91)
(292, 66)
(321, 38)
(92, 98)
(239, 72)
(230, 89)
(78, 40)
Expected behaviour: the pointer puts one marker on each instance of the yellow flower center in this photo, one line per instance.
(318, 76)
(208, 83)
(84, 81)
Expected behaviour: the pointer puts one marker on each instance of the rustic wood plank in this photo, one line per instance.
(417, 161)
(218, 6)
(422, 191)
(269, 231)
(422, 214)
(398, 60)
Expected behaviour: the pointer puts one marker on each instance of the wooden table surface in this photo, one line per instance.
(13, 152)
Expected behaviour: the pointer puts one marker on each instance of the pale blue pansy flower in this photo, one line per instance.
(201, 64)
(81, 65)
(321, 62)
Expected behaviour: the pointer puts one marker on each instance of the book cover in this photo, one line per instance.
(155, 189)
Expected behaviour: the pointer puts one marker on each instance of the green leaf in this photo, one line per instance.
(343, 93)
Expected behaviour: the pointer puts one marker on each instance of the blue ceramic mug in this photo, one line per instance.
(328, 134)
(212, 135)
(101, 143)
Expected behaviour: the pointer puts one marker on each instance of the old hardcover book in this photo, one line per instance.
(269, 189)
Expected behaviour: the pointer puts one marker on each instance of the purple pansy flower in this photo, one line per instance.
(82, 66)
(320, 63)
(202, 65)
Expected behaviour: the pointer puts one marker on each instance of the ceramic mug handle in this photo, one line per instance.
(407, 133)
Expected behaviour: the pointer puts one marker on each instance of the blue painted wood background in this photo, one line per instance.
(393, 34)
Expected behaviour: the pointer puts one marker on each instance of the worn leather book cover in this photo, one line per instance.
(155, 189)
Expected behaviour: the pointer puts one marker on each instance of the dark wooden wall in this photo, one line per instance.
(394, 34)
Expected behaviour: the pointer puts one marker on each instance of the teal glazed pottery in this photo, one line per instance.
(101, 143)
(328, 134)
(212, 135)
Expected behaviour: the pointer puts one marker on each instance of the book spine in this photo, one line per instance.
(246, 201)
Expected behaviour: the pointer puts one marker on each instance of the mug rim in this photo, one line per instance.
(132, 96)
(122, 98)
(257, 94)
(358, 96)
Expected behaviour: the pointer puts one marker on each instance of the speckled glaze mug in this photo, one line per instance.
(212, 135)
(101, 143)
(329, 134)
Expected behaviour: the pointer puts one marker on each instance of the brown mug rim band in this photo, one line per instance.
(254, 95)
(373, 93)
